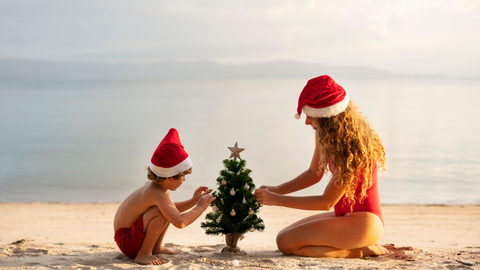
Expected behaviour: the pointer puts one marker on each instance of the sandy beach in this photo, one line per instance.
(80, 236)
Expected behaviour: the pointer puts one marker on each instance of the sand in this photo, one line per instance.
(80, 236)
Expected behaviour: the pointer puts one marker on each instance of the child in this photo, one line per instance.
(143, 217)
(351, 150)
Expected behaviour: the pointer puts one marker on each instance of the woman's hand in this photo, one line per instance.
(265, 196)
(198, 193)
(270, 188)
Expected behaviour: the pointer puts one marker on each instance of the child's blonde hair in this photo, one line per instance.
(152, 176)
(355, 147)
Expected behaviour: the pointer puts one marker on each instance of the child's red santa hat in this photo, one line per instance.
(322, 97)
(170, 158)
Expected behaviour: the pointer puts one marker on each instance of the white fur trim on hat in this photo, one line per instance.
(169, 172)
(330, 111)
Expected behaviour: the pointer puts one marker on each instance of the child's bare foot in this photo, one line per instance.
(375, 250)
(148, 259)
(164, 250)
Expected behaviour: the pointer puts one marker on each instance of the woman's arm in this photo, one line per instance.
(332, 194)
(306, 179)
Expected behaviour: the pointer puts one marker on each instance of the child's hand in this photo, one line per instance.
(199, 192)
(205, 200)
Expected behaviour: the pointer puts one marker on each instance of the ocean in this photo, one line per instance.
(81, 142)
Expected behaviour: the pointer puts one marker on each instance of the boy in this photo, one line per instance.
(143, 217)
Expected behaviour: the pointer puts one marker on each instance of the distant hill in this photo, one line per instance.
(14, 69)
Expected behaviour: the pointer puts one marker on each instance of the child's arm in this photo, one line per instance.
(171, 213)
(185, 205)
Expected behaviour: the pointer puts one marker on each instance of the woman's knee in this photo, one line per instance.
(284, 244)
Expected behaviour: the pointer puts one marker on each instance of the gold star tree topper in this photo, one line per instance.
(235, 151)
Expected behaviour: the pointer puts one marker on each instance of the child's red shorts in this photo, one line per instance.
(130, 240)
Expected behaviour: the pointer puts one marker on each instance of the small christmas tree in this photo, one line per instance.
(235, 208)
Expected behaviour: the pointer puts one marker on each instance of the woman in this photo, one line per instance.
(351, 150)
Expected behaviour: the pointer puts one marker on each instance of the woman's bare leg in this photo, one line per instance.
(329, 214)
(325, 235)
(324, 251)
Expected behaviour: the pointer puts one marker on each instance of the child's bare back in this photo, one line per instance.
(137, 204)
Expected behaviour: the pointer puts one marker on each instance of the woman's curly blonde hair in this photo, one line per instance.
(353, 148)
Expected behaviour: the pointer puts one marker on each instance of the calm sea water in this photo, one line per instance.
(91, 141)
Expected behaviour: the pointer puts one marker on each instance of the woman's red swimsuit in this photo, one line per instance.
(370, 204)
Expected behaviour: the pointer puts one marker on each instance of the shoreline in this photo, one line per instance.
(81, 235)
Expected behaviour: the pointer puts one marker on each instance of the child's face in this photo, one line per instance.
(312, 122)
(176, 183)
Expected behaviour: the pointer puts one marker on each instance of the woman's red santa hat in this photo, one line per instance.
(170, 158)
(322, 97)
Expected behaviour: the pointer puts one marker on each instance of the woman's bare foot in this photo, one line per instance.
(148, 259)
(164, 250)
(375, 250)
(352, 253)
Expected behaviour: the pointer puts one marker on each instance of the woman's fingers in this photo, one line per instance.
(260, 195)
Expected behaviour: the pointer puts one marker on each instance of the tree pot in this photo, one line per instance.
(231, 239)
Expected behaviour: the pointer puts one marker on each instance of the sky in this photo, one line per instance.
(415, 36)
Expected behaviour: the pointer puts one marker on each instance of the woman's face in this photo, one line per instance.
(312, 122)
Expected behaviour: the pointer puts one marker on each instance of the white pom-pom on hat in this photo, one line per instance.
(297, 116)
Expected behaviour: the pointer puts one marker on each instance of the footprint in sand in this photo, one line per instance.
(204, 249)
(23, 251)
(31, 264)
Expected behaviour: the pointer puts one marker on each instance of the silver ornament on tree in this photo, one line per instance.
(224, 182)
(250, 212)
(252, 229)
(214, 208)
(232, 192)
(246, 187)
(233, 213)
(244, 201)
